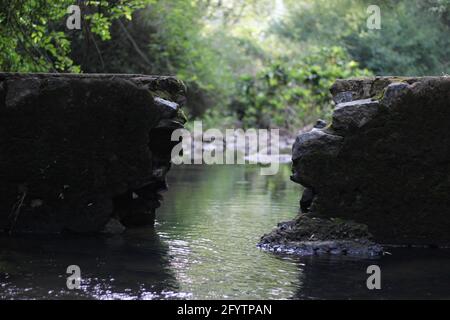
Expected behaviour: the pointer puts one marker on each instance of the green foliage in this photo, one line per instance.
(178, 38)
(193, 40)
(33, 35)
(290, 94)
(179, 46)
(243, 63)
(413, 41)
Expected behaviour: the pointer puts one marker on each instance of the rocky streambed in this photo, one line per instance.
(378, 173)
(84, 153)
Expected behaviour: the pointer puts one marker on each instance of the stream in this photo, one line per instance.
(204, 247)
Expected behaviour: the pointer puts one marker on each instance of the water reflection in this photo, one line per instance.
(204, 247)
(213, 225)
(407, 273)
(132, 266)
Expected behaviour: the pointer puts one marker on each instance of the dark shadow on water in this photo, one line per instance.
(130, 266)
(408, 273)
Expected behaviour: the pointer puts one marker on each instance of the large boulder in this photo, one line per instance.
(84, 153)
(384, 161)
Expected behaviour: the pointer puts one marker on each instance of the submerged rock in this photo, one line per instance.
(308, 235)
(75, 149)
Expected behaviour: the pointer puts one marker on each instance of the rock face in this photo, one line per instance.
(84, 153)
(384, 161)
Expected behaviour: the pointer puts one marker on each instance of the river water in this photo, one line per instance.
(204, 247)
